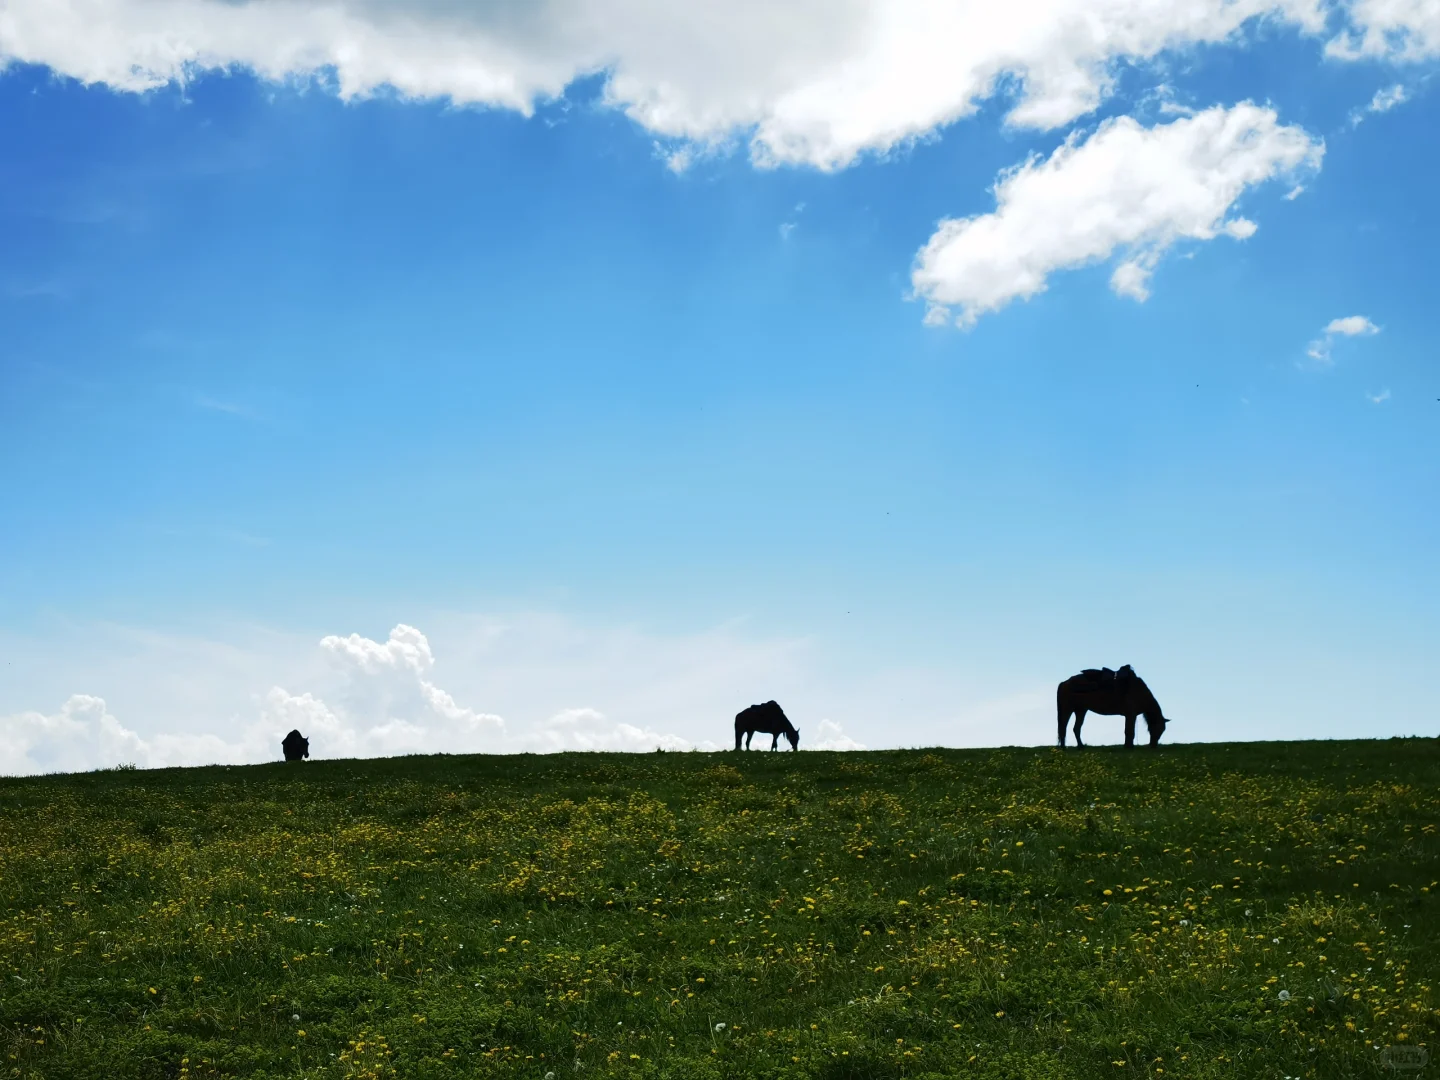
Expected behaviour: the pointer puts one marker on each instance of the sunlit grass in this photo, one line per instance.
(1261, 910)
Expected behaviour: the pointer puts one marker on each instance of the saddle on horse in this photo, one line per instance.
(1103, 678)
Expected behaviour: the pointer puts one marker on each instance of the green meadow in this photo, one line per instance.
(1256, 910)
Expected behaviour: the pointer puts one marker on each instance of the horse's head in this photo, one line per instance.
(794, 736)
(1156, 722)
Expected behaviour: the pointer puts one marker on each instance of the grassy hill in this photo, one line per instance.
(1259, 910)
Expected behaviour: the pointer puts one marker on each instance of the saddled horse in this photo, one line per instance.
(1110, 693)
(768, 719)
(295, 746)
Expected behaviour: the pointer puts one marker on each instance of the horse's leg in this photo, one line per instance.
(748, 736)
(1064, 719)
(1079, 722)
(738, 735)
(1130, 731)
(775, 741)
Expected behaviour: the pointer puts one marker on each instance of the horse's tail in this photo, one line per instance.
(1062, 695)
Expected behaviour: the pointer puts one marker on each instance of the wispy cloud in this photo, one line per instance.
(34, 290)
(1384, 100)
(1376, 399)
(247, 539)
(228, 407)
(787, 227)
(1320, 350)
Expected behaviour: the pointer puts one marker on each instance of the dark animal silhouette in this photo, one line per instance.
(1110, 693)
(296, 746)
(768, 719)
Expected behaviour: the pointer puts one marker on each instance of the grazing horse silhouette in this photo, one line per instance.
(769, 719)
(296, 746)
(1110, 693)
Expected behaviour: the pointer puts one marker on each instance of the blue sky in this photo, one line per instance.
(642, 399)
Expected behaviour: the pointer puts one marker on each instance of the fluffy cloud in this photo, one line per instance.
(587, 729)
(808, 81)
(831, 736)
(74, 738)
(84, 735)
(1405, 30)
(1351, 326)
(1319, 350)
(407, 650)
(386, 705)
(1126, 188)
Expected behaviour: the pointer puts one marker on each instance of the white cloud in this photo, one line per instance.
(1351, 326)
(388, 705)
(1382, 396)
(384, 706)
(1320, 350)
(79, 734)
(1405, 30)
(1294, 193)
(1384, 100)
(406, 650)
(84, 735)
(1126, 188)
(832, 737)
(588, 729)
(807, 81)
(788, 227)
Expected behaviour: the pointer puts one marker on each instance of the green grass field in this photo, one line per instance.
(1259, 910)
